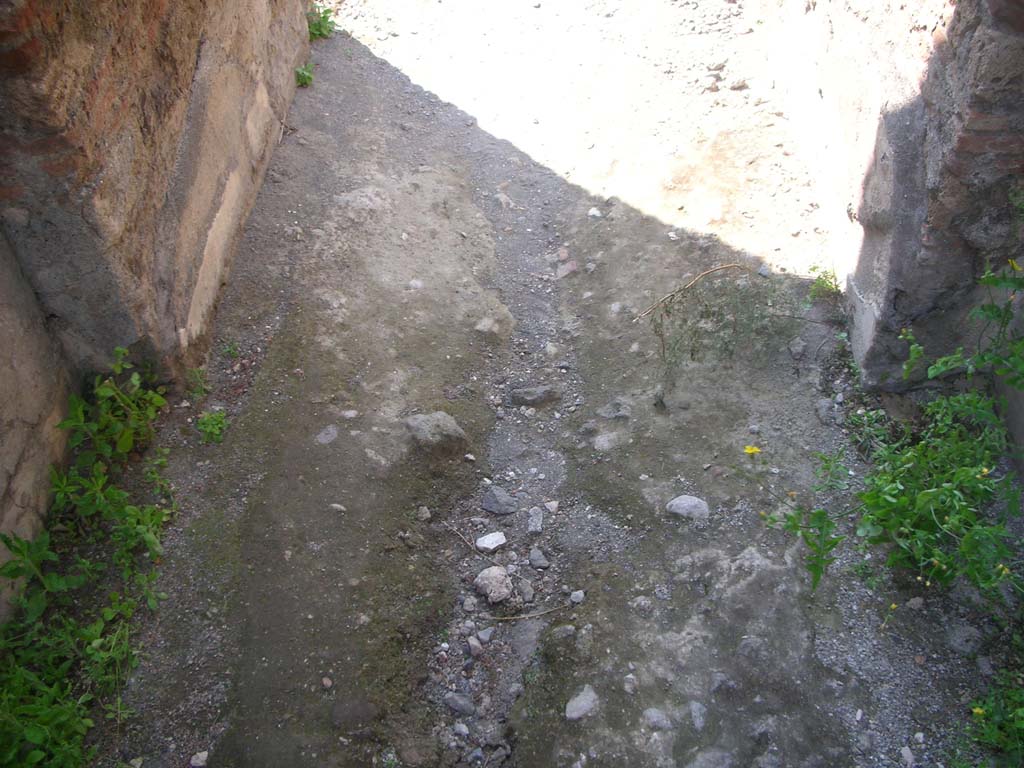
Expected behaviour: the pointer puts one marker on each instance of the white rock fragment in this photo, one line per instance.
(689, 507)
(491, 542)
(582, 704)
(494, 583)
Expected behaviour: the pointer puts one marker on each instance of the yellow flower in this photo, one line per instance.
(751, 450)
(1015, 265)
(893, 607)
(979, 711)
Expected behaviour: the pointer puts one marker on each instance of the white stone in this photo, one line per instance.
(689, 507)
(494, 583)
(582, 704)
(492, 542)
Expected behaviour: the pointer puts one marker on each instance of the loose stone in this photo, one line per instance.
(475, 647)
(498, 501)
(486, 634)
(199, 759)
(535, 521)
(689, 507)
(630, 684)
(492, 542)
(657, 720)
(494, 583)
(536, 395)
(459, 702)
(437, 432)
(577, 596)
(582, 704)
(538, 560)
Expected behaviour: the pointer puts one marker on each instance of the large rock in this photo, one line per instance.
(536, 395)
(498, 501)
(436, 432)
(583, 704)
(689, 507)
(494, 584)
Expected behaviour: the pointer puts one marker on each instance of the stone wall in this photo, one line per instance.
(134, 136)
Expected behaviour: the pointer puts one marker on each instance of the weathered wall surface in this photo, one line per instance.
(915, 112)
(936, 208)
(133, 139)
(132, 142)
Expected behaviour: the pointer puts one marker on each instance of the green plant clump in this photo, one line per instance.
(321, 22)
(825, 286)
(304, 75)
(928, 493)
(61, 662)
(998, 719)
(212, 426)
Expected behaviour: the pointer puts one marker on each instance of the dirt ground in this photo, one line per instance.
(466, 203)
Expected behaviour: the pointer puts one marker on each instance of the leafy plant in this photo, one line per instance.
(998, 719)
(62, 656)
(825, 285)
(304, 75)
(927, 494)
(231, 350)
(818, 532)
(198, 388)
(321, 22)
(212, 425)
(832, 474)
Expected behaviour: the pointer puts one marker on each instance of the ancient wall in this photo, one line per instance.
(133, 139)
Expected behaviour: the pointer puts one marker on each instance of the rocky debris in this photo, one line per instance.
(630, 684)
(617, 408)
(337, 508)
(327, 683)
(538, 560)
(825, 411)
(642, 604)
(582, 704)
(551, 506)
(689, 507)
(327, 435)
(657, 720)
(907, 758)
(594, 213)
(491, 542)
(497, 326)
(494, 583)
(566, 269)
(460, 702)
(526, 590)
(461, 730)
(699, 715)
(797, 348)
(577, 596)
(423, 514)
(498, 501)
(469, 604)
(562, 631)
(535, 521)
(198, 760)
(436, 432)
(540, 395)
(476, 648)
(485, 635)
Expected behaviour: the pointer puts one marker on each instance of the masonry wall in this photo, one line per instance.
(134, 135)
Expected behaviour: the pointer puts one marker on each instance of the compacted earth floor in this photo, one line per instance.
(434, 333)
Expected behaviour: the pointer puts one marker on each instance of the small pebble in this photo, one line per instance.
(577, 596)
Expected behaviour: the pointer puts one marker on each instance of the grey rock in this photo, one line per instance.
(825, 411)
(657, 720)
(327, 435)
(712, 758)
(699, 715)
(642, 604)
(436, 432)
(577, 596)
(476, 756)
(460, 729)
(498, 501)
(630, 684)
(582, 704)
(535, 520)
(797, 348)
(689, 507)
(475, 646)
(469, 604)
(423, 514)
(907, 757)
(486, 634)
(764, 270)
(459, 702)
(491, 542)
(494, 583)
(916, 603)
(964, 639)
(538, 560)
(198, 760)
(541, 395)
(617, 408)
(526, 590)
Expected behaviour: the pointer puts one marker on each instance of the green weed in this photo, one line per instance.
(198, 388)
(998, 719)
(63, 657)
(304, 75)
(212, 426)
(832, 474)
(825, 286)
(231, 350)
(321, 22)
(818, 532)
